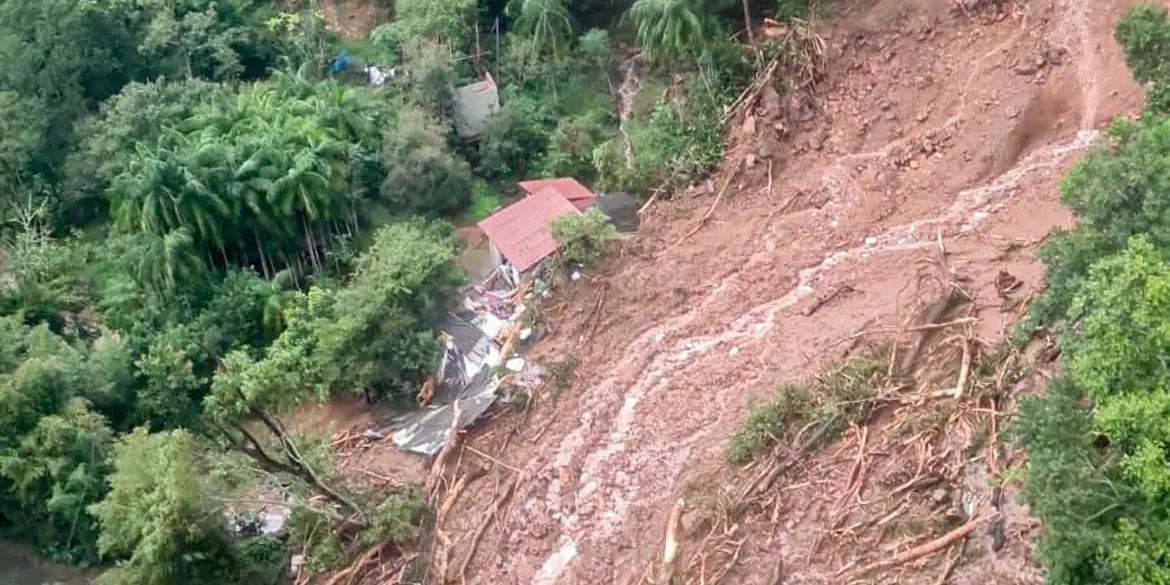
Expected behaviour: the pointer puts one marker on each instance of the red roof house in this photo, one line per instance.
(519, 232)
(577, 194)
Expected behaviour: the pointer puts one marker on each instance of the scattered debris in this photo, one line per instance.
(826, 298)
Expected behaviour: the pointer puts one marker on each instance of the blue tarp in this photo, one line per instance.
(340, 63)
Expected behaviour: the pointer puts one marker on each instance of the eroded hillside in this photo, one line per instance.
(928, 157)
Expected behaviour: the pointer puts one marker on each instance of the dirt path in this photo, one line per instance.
(933, 123)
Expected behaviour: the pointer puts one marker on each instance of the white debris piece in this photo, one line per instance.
(575, 275)
(297, 563)
(525, 333)
(377, 78)
(515, 364)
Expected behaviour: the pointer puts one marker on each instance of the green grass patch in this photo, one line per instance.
(832, 399)
(483, 201)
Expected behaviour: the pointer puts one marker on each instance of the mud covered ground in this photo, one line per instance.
(928, 158)
(934, 123)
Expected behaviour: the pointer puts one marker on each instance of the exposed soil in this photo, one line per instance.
(354, 19)
(935, 123)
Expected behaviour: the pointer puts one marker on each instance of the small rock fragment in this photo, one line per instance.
(939, 494)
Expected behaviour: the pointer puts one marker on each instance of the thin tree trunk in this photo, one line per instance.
(263, 259)
(271, 464)
(312, 248)
(747, 23)
(293, 454)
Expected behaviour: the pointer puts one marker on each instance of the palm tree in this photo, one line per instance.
(547, 21)
(671, 29)
(344, 112)
(279, 294)
(166, 260)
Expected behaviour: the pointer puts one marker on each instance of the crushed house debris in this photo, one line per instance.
(466, 375)
(478, 340)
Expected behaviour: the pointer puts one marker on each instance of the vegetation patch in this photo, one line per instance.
(820, 407)
(1098, 468)
(484, 201)
(584, 238)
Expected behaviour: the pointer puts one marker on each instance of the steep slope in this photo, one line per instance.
(935, 123)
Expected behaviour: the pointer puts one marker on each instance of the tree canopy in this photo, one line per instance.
(207, 220)
(1097, 470)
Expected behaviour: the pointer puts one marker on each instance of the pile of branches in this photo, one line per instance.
(928, 424)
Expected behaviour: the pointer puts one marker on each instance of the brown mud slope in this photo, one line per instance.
(932, 122)
(354, 19)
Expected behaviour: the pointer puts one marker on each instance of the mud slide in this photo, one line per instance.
(935, 123)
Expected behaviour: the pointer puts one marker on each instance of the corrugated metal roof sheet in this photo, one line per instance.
(520, 230)
(579, 195)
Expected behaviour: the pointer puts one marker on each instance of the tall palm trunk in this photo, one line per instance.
(263, 257)
(312, 247)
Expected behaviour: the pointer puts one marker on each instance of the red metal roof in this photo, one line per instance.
(520, 230)
(579, 195)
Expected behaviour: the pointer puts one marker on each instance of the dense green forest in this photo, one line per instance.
(1098, 472)
(202, 228)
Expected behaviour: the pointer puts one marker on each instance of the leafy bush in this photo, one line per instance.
(1117, 191)
(585, 238)
(674, 147)
(829, 402)
(681, 139)
(422, 174)
(515, 137)
(396, 516)
(572, 143)
(1087, 493)
(159, 515)
(449, 21)
(1144, 35)
(381, 331)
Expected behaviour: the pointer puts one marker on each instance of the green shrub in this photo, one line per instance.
(824, 404)
(483, 201)
(1144, 35)
(448, 21)
(396, 516)
(422, 174)
(585, 238)
(514, 138)
(789, 9)
(769, 422)
(675, 146)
